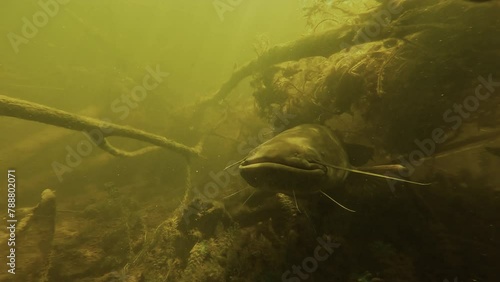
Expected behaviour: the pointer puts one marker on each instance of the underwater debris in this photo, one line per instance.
(97, 130)
(392, 80)
(37, 229)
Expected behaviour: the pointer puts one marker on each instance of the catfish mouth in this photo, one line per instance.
(284, 176)
(295, 165)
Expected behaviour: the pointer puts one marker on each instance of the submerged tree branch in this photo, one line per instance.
(322, 44)
(35, 112)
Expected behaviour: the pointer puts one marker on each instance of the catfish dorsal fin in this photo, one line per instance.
(377, 175)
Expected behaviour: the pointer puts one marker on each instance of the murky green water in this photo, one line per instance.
(126, 124)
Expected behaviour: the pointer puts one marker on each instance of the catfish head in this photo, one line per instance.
(295, 159)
